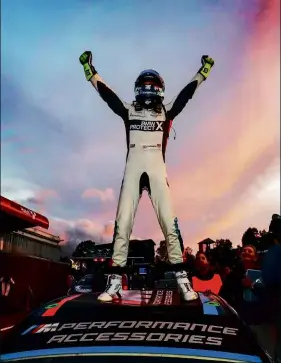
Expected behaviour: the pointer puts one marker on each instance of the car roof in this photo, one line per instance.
(88, 276)
(156, 318)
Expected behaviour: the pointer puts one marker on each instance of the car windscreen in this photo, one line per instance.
(86, 280)
(126, 359)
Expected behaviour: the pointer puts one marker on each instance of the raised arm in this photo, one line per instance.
(175, 107)
(106, 93)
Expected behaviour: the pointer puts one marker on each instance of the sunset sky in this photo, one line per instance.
(63, 151)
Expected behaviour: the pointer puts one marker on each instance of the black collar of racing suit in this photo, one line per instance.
(156, 107)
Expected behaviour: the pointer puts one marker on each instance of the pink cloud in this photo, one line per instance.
(27, 150)
(109, 229)
(216, 185)
(47, 194)
(42, 196)
(104, 195)
(63, 227)
(74, 231)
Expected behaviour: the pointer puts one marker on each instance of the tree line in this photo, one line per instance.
(222, 250)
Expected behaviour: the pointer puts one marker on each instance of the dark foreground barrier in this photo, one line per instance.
(36, 281)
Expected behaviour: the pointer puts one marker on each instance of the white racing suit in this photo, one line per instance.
(147, 133)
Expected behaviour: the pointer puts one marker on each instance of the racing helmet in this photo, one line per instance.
(149, 87)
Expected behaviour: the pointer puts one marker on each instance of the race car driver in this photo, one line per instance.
(147, 122)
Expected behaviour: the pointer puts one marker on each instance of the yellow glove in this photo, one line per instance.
(207, 64)
(86, 61)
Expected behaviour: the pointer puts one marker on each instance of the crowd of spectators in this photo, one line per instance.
(247, 278)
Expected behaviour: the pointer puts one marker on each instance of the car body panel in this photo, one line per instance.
(154, 323)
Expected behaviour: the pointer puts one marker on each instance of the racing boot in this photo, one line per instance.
(184, 286)
(113, 289)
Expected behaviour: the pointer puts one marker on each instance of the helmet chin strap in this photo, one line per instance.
(148, 105)
(149, 102)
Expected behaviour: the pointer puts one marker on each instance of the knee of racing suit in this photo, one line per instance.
(116, 270)
(178, 267)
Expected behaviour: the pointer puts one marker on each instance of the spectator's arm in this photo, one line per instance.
(225, 290)
(229, 288)
(258, 288)
(271, 271)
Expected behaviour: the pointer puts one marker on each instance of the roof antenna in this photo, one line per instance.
(175, 134)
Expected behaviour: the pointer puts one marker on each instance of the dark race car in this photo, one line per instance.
(144, 325)
(84, 285)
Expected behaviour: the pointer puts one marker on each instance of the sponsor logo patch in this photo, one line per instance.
(138, 125)
(179, 332)
(151, 146)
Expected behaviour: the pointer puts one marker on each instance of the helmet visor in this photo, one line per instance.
(150, 77)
